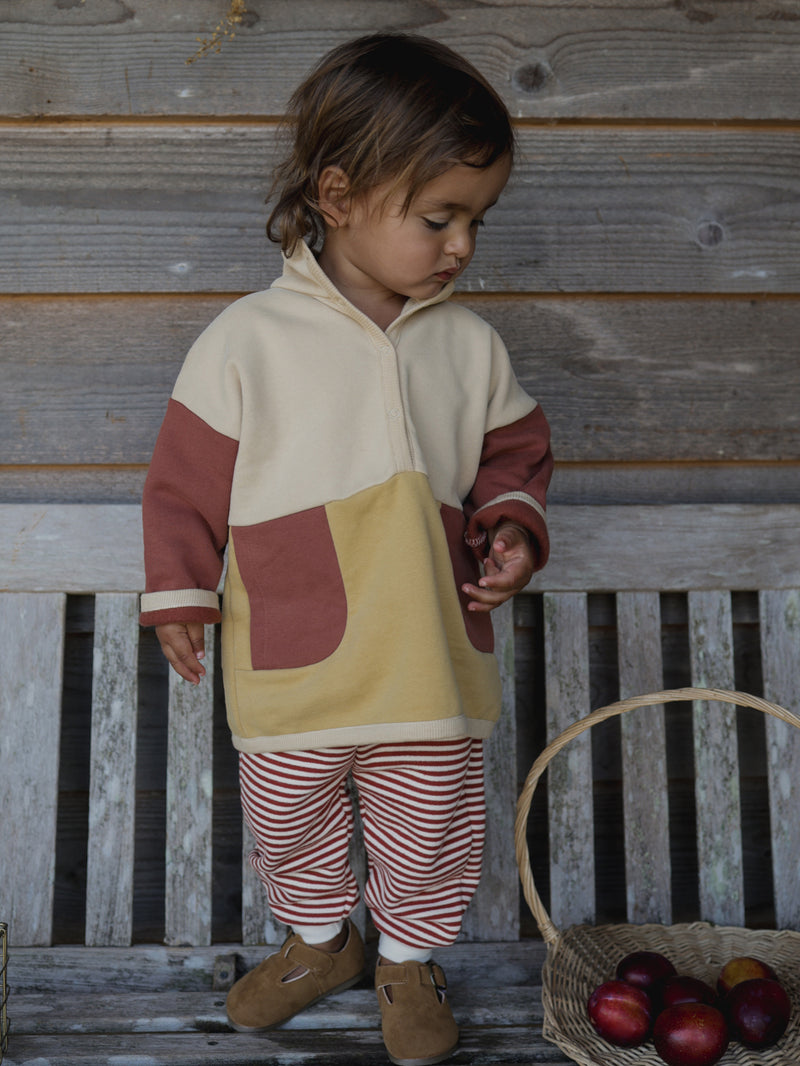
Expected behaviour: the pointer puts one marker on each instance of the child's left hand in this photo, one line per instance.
(507, 570)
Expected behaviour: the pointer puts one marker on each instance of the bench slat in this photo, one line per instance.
(716, 760)
(31, 660)
(189, 799)
(73, 547)
(595, 548)
(676, 547)
(780, 652)
(357, 855)
(644, 761)
(112, 787)
(493, 914)
(259, 925)
(569, 776)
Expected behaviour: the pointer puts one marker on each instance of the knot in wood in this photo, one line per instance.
(531, 77)
(710, 234)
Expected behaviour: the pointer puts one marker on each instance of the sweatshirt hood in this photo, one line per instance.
(303, 274)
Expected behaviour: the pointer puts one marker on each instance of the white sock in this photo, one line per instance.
(318, 934)
(389, 948)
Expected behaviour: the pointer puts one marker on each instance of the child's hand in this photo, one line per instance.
(183, 643)
(507, 570)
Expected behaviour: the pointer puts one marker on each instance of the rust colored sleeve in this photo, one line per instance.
(185, 508)
(515, 470)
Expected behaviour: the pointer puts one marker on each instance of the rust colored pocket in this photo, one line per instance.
(465, 569)
(298, 604)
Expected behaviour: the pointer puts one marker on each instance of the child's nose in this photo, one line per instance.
(459, 244)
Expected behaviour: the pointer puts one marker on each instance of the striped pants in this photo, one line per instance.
(424, 818)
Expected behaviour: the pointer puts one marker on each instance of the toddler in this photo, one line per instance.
(361, 448)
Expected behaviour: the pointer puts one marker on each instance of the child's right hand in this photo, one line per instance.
(183, 644)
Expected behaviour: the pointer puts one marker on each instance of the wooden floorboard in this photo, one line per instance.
(145, 968)
(154, 1006)
(507, 1046)
(186, 1012)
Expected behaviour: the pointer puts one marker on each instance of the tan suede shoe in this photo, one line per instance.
(418, 1025)
(272, 992)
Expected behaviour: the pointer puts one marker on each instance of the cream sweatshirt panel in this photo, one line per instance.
(454, 369)
(316, 424)
(283, 371)
(302, 373)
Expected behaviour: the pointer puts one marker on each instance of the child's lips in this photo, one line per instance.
(447, 275)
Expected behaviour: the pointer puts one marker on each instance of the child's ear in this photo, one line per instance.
(332, 197)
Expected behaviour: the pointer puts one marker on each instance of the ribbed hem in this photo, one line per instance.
(388, 733)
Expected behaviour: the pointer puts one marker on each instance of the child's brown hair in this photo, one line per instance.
(385, 108)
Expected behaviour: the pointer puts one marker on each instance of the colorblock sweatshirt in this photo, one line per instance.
(348, 476)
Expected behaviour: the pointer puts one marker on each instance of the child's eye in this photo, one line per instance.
(476, 222)
(431, 224)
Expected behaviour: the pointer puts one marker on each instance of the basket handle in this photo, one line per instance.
(549, 931)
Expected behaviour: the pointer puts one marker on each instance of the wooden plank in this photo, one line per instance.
(168, 1015)
(99, 548)
(631, 483)
(72, 484)
(644, 379)
(569, 775)
(780, 651)
(204, 1011)
(190, 788)
(361, 1047)
(357, 855)
(152, 968)
(31, 657)
(181, 209)
(675, 547)
(716, 760)
(87, 380)
(85, 383)
(581, 483)
(644, 761)
(493, 914)
(616, 59)
(112, 790)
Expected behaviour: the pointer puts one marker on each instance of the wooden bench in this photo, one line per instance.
(614, 572)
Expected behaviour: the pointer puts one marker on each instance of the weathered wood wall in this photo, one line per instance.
(643, 266)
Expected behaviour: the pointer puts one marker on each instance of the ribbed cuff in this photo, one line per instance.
(173, 599)
(318, 934)
(394, 951)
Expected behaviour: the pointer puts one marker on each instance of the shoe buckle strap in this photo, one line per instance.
(402, 974)
(389, 974)
(318, 962)
(438, 979)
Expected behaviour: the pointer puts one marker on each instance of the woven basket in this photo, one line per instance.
(584, 956)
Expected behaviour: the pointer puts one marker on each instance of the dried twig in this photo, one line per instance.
(225, 28)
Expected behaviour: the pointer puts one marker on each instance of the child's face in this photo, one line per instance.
(378, 251)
